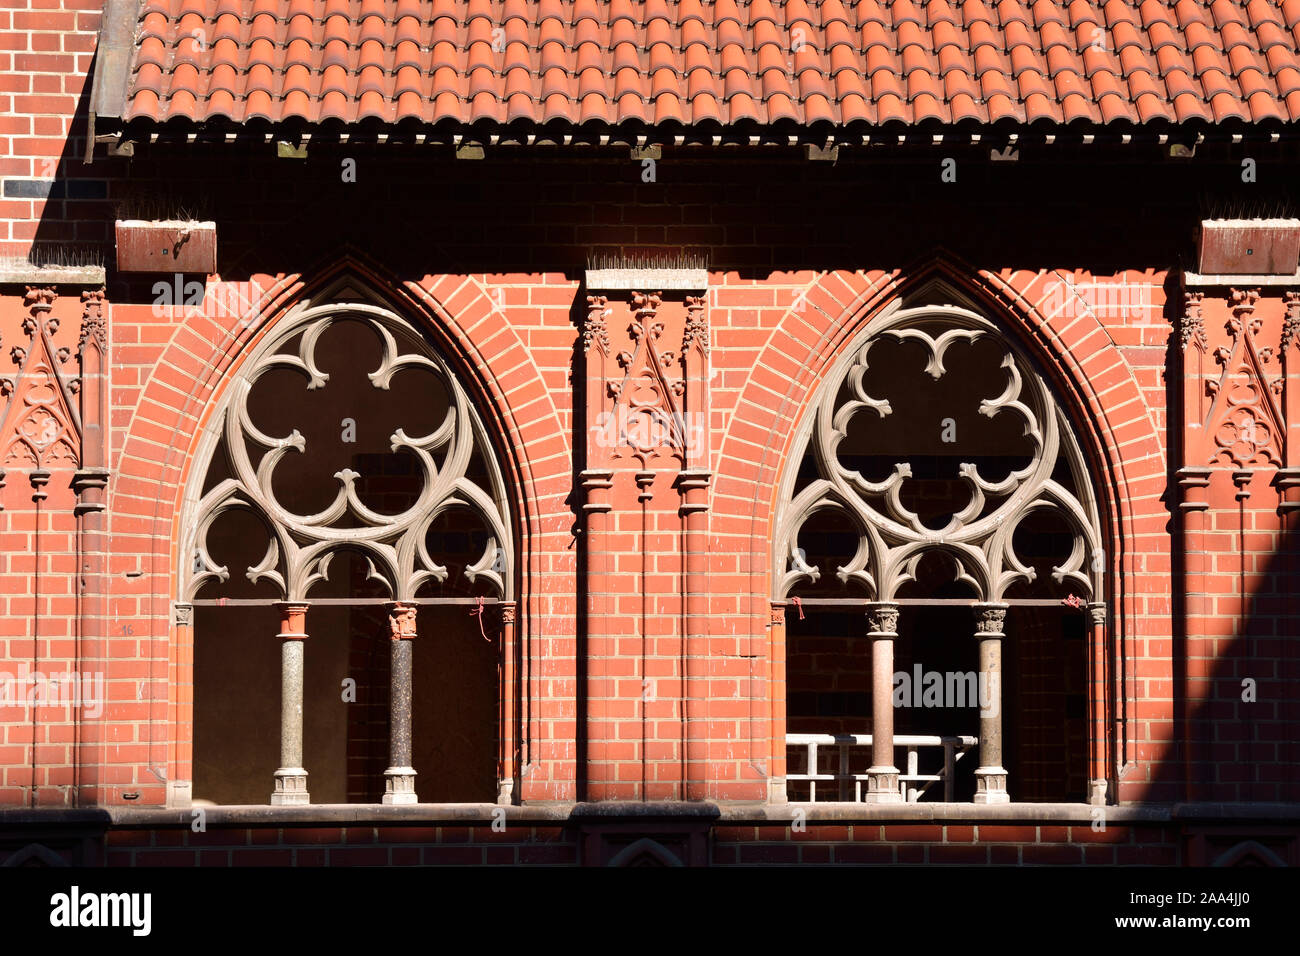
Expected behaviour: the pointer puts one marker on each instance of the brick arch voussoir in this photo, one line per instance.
(1083, 353)
(819, 328)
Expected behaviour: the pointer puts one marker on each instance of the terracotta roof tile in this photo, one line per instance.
(689, 62)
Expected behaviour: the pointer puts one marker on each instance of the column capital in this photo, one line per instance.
(1193, 485)
(882, 620)
(1097, 611)
(39, 478)
(401, 621)
(990, 618)
(1287, 481)
(1241, 477)
(293, 620)
(776, 612)
(184, 614)
(645, 479)
(89, 485)
(693, 483)
(508, 609)
(596, 485)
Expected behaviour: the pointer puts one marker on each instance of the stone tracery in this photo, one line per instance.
(892, 538)
(301, 547)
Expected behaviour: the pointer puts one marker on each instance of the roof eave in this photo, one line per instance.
(113, 54)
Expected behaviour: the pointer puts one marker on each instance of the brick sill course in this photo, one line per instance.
(621, 812)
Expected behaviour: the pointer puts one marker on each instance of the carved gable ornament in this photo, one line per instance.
(648, 406)
(41, 428)
(978, 534)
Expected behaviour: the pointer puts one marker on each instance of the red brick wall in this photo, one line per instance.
(490, 256)
(46, 51)
(167, 374)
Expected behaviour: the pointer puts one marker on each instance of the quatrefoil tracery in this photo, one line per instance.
(301, 547)
(892, 539)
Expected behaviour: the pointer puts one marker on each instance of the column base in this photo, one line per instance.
(991, 785)
(1097, 793)
(776, 790)
(882, 786)
(399, 785)
(180, 794)
(290, 788)
(505, 793)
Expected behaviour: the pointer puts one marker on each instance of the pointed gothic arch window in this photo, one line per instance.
(937, 485)
(351, 520)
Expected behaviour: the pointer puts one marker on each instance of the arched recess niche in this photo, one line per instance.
(902, 512)
(347, 469)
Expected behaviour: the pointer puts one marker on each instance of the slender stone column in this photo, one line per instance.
(509, 758)
(399, 778)
(91, 485)
(1194, 511)
(694, 486)
(776, 782)
(291, 778)
(882, 775)
(597, 488)
(180, 785)
(1102, 751)
(991, 776)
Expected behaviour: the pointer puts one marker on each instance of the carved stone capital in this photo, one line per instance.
(293, 621)
(882, 620)
(507, 609)
(401, 621)
(1097, 613)
(990, 620)
(184, 614)
(776, 614)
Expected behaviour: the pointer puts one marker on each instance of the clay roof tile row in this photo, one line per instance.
(726, 61)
